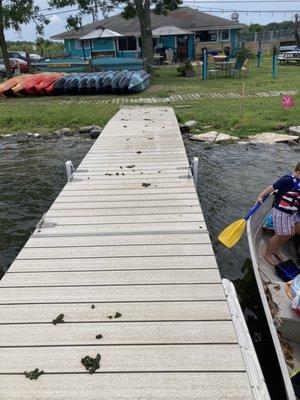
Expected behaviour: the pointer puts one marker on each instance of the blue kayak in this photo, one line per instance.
(106, 83)
(124, 81)
(72, 84)
(115, 82)
(139, 81)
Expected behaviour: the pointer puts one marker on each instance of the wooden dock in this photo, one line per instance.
(126, 235)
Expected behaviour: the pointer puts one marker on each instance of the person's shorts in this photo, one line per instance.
(284, 223)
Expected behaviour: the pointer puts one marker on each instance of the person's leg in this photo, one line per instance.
(275, 243)
(284, 229)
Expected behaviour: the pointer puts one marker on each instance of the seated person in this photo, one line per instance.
(285, 213)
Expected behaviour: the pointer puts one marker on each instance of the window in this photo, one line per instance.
(78, 44)
(127, 43)
(208, 36)
(225, 35)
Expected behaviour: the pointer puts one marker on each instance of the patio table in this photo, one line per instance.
(224, 67)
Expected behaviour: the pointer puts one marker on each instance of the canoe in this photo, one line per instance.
(106, 83)
(98, 83)
(6, 87)
(92, 82)
(115, 82)
(124, 81)
(139, 81)
(71, 86)
(284, 324)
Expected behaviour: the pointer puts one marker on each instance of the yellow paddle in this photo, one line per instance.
(232, 234)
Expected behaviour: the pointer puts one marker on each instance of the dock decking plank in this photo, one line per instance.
(94, 294)
(84, 313)
(110, 277)
(114, 263)
(125, 359)
(129, 386)
(117, 251)
(117, 333)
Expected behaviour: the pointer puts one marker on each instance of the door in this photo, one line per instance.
(182, 47)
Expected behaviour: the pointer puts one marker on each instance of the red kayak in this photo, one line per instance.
(24, 85)
(6, 87)
(46, 85)
(30, 85)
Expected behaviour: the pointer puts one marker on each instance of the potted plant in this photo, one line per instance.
(186, 69)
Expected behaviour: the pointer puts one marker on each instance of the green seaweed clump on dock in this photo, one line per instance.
(33, 375)
(59, 319)
(91, 364)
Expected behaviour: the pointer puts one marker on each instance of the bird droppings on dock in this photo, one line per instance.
(146, 184)
(91, 364)
(139, 152)
(93, 306)
(59, 319)
(99, 336)
(34, 374)
(117, 315)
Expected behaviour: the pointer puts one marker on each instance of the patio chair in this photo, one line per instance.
(198, 67)
(236, 70)
(169, 57)
(245, 67)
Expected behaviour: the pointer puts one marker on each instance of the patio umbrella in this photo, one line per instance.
(100, 33)
(169, 31)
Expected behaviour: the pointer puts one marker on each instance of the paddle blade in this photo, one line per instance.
(232, 234)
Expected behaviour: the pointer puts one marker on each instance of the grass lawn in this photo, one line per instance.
(46, 114)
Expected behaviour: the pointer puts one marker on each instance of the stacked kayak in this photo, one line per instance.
(77, 83)
(102, 83)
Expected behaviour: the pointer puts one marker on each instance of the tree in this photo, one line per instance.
(254, 28)
(132, 8)
(297, 29)
(14, 13)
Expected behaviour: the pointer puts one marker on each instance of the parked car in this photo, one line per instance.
(22, 56)
(289, 57)
(13, 64)
(21, 64)
(2, 71)
(284, 49)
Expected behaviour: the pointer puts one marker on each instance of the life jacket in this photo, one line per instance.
(289, 202)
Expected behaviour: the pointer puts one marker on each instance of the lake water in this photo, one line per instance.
(32, 173)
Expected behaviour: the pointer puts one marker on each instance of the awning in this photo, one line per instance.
(169, 31)
(99, 34)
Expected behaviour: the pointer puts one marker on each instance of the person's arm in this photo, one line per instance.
(264, 193)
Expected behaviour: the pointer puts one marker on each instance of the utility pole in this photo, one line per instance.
(95, 11)
(297, 29)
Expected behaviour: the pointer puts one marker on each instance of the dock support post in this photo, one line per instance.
(194, 168)
(70, 170)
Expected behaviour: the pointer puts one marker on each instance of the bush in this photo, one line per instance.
(244, 53)
(186, 69)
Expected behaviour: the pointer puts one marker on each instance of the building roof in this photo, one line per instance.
(185, 18)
